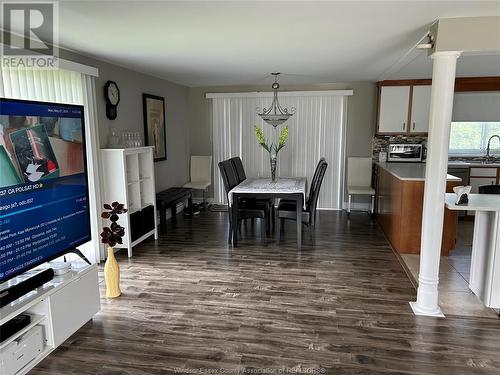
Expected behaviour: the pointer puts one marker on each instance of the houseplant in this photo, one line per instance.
(111, 236)
(272, 148)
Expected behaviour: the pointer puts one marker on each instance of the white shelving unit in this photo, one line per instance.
(60, 307)
(128, 177)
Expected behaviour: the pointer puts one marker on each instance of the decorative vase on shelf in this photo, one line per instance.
(112, 275)
(273, 161)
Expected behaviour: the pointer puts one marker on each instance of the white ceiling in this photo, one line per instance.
(240, 43)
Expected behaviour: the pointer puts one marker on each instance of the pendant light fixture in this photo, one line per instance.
(276, 115)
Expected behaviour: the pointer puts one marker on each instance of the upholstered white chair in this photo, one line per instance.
(201, 174)
(359, 179)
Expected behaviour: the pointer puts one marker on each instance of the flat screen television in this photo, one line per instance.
(44, 209)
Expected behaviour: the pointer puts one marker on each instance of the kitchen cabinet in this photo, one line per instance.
(420, 108)
(399, 206)
(393, 109)
(404, 109)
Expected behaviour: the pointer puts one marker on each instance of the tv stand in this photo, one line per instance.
(61, 307)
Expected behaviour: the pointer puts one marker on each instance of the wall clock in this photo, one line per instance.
(112, 96)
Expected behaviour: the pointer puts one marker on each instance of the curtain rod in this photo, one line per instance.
(260, 94)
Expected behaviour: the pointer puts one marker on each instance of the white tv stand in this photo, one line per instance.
(60, 307)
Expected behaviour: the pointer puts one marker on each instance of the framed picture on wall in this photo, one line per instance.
(154, 125)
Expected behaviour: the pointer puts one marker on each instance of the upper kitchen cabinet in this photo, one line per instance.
(404, 109)
(393, 109)
(420, 107)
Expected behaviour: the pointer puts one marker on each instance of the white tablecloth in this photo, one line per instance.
(292, 185)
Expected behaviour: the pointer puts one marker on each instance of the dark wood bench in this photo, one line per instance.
(168, 199)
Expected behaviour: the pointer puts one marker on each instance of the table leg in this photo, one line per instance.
(235, 220)
(190, 201)
(299, 221)
(163, 219)
(173, 212)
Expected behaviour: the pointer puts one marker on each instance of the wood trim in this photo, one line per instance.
(405, 82)
(410, 106)
(461, 84)
(379, 95)
(477, 84)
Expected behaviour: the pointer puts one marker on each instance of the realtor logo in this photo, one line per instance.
(29, 35)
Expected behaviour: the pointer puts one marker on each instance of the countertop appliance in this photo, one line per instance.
(405, 152)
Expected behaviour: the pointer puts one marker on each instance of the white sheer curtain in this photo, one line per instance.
(317, 129)
(70, 87)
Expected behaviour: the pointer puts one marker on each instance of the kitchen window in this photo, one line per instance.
(471, 138)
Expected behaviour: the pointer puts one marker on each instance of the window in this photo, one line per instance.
(471, 138)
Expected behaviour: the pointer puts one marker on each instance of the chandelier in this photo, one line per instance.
(276, 115)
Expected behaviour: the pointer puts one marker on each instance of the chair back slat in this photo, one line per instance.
(228, 175)
(316, 172)
(312, 202)
(238, 166)
(359, 171)
(201, 168)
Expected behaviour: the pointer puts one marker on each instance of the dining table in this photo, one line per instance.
(290, 188)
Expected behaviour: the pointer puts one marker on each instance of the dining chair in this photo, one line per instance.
(359, 180)
(240, 173)
(201, 175)
(246, 209)
(238, 166)
(287, 210)
(314, 178)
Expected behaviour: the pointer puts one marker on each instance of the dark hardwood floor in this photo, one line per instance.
(339, 306)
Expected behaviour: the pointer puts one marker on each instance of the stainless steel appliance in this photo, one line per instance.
(405, 152)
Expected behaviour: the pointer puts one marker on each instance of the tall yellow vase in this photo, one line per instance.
(112, 275)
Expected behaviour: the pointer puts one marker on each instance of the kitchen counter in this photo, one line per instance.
(484, 278)
(474, 164)
(477, 202)
(410, 171)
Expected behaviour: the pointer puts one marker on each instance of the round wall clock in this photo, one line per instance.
(112, 96)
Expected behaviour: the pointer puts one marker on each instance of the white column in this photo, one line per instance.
(443, 85)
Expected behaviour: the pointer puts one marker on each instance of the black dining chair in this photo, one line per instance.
(489, 189)
(315, 177)
(287, 210)
(240, 173)
(240, 170)
(246, 209)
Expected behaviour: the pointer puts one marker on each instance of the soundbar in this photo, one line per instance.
(13, 326)
(24, 287)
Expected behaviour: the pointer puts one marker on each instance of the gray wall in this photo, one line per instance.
(360, 114)
(175, 170)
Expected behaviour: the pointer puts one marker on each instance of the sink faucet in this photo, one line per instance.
(488, 156)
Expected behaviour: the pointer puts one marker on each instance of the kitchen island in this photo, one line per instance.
(399, 203)
(485, 262)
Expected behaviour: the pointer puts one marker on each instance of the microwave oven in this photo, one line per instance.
(405, 152)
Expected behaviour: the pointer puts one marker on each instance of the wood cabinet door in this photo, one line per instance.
(420, 108)
(393, 110)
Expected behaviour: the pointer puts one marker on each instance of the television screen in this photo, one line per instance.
(44, 209)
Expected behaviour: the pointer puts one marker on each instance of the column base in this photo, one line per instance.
(417, 311)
